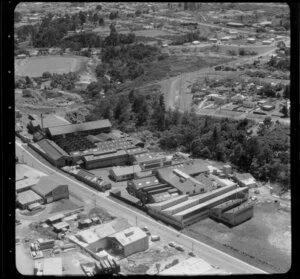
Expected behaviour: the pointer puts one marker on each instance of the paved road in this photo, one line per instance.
(211, 255)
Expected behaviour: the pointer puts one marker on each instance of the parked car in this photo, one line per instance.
(155, 238)
(179, 248)
(172, 244)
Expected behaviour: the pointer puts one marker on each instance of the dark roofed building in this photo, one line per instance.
(51, 190)
(51, 152)
(86, 128)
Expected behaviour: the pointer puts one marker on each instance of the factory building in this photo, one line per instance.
(183, 182)
(46, 121)
(26, 198)
(150, 161)
(245, 180)
(239, 214)
(89, 178)
(201, 211)
(181, 211)
(124, 173)
(26, 184)
(51, 152)
(134, 186)
(50, 190)
(105, 159)
(217, 211)
(87, 128)
(129, 241)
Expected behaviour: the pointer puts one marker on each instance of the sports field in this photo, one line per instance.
(35, 66)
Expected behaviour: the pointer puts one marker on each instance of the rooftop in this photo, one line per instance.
(86, 126)
(204, 204)
(27, 182)
(50, 121)
(45, 186)
(28, 197)
(140, 158)
(129, 235)
(143, 182)
(52, 149)
(120, 171)
(111, 154)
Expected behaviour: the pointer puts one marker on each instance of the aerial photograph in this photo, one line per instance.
(152, 138)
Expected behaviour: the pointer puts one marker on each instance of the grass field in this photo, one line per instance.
(35, 66)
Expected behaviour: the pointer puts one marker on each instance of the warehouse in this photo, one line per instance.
(24, 199)
(124, 173)
(135, 185)
(181, 181)
(238, 214)
(201, 211)
(216, 212)
(51, 152)
(192, 168)
(91, 179)
(46, 121)
(58, 227)
(107, 159)
(122, 195)
(245, 180)
(86, 128)
(149, 161)
(129, 241)
(168, 203)
(26, 184)
(51, 190)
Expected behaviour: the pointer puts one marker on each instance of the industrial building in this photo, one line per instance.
(51, 190)
(24, 199)
(105, 159)
(26, 184)
(129, 241)
(89, 178)
(51, 152)
(182, 211)
(123, 195)
(183, 182)
(217, 211)
(46, 121)
(87, 128)
(235, 24)
(124, 173)
(239, 214)
(135, 185)
(245, 180)
(151, 161)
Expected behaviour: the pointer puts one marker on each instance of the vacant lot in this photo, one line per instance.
(35, 66)
(264, 241)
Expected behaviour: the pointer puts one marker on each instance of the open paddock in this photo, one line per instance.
(36, 66)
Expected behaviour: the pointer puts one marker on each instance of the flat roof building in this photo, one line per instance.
(28, 197)
(124, 173)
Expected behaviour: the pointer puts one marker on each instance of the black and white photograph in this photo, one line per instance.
(152, 138)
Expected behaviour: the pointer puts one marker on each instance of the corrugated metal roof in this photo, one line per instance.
(45, 186)
(147, 181)
(86, 126)
(52, 149)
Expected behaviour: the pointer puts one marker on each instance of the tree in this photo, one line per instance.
(205, 152)
(284, 111)
(242, 51)
(95, 18)
(268, 122)
(98, 8)
(101, 21)
(286, 92)
(82, 17)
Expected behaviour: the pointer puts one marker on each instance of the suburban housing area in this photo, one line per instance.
(152, 138)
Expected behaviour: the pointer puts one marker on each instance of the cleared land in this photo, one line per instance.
(264, 241)
(35, 66)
